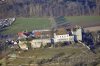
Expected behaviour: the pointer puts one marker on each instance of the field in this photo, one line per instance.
(29, 24)
(85, 21)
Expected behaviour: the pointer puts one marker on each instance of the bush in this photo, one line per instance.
(48, 45)
(61, 44)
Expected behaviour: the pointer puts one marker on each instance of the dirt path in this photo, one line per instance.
(95, 28)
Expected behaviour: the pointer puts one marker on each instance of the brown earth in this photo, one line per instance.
(94, 28)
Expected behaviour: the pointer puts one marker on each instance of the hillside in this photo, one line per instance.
(72, 55)
(29, 8)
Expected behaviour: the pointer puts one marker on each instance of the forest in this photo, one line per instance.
(47, 8)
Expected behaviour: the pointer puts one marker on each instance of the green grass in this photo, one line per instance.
(84, 20)
(29, 24)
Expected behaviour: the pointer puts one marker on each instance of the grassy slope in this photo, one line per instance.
(22, 24)
(70, 53)
(45, 54)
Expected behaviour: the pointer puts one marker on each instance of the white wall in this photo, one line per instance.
(61, 38)
(22, 45)
(79, 34)
(36, 43)
(66, 37)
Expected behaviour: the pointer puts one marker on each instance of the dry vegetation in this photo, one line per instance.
(73, 55)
